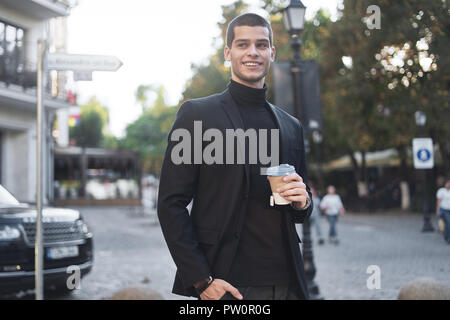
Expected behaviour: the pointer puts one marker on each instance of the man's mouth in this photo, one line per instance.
(251, 63)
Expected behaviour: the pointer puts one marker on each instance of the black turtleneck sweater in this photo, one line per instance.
(262, 257)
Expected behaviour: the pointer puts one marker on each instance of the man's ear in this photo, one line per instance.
(272, 54)
(227, 53)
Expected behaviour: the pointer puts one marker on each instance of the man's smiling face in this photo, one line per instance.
(250, 54)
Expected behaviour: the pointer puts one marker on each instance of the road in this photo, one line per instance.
(130, 252)
(391, 241)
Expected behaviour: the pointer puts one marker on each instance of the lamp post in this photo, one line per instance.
(421, 120)
(317, 139)
(294, 21)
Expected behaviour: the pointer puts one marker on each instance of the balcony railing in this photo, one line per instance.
(17, 71)
(22, 73)
(42, 9)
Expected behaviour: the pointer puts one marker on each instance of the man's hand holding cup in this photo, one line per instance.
(287, 186)
(294, 190)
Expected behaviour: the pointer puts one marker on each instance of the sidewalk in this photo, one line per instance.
(393, 241)
(130, 252)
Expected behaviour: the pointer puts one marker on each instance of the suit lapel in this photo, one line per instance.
(232, 111)
(283, 133)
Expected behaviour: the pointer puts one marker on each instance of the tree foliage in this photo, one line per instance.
(394, 71)
(92, 127)
(148, 134)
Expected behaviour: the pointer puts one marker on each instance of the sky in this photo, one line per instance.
(157, 41)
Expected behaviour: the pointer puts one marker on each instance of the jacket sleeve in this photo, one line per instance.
(178, 185)
(299, 216)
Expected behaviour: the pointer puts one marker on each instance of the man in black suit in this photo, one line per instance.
(234, 244)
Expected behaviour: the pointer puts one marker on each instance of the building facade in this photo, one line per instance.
(22, 23)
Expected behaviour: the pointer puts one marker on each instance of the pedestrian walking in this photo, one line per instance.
(443, 207)
(315, 218)
(332, 206)
(234, 244)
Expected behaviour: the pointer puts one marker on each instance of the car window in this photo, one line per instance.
(7, 198)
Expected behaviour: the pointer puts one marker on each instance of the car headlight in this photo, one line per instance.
(82, 226)
(9, 233)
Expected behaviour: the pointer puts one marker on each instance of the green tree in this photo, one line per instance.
(94, 105)
(148, 134)
(88, 133)
(372, 100)
(93, 125)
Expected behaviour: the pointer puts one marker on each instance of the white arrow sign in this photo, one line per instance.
(82, 62)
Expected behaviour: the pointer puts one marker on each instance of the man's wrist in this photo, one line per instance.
(306, 206)
(202, 285)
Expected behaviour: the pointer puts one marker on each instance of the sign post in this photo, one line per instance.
(38, 253)
(423, 160)
(83, 66)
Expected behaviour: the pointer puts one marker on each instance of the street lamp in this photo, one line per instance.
(421, 120)
(294, 17)
(294, 21)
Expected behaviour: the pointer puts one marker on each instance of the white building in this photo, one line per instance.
(22, 23)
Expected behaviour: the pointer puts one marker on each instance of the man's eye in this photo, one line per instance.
(262, 45)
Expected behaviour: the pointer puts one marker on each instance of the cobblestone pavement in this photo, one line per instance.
(393, 241)
(130, 252)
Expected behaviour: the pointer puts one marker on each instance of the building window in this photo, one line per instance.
(12, 52)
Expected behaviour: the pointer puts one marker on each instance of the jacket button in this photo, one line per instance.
(246, 196)
(236, 235)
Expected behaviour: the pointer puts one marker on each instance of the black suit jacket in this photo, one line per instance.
(204, 241)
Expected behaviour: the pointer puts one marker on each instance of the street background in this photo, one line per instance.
(374, 78)
(130, 252)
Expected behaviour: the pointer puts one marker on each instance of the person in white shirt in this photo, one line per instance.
(443, 207)
(332, 206)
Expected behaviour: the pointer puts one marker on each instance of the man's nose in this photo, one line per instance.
(252, 50)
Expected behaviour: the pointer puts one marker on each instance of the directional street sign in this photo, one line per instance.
(82, 62)
(423, 153)
(82, 65)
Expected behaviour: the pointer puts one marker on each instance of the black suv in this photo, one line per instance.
(67, 242)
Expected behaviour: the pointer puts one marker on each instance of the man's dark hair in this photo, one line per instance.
(250, 20)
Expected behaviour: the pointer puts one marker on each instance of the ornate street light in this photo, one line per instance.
(294, 21)
(294, 17)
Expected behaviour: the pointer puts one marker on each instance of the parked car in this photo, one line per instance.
(67, 241)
